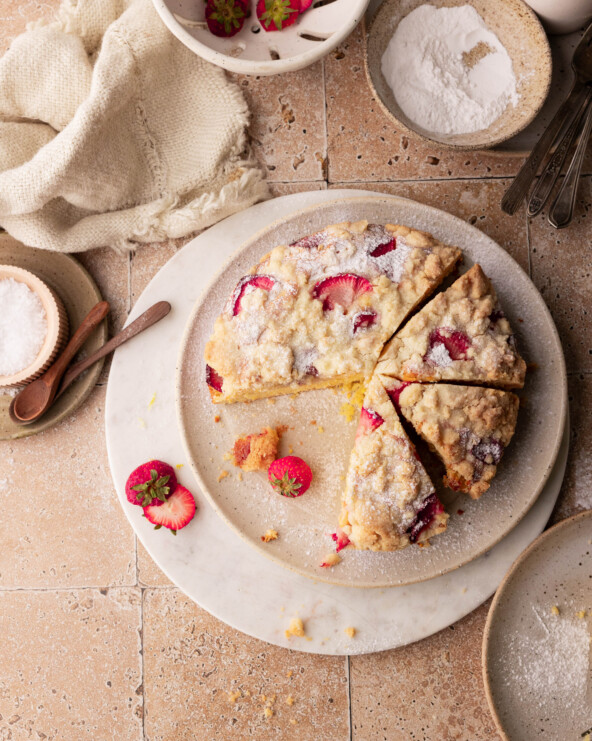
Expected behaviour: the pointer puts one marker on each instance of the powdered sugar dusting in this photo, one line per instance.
(439, 355)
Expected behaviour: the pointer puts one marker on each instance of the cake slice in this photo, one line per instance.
(389, 501)
(317, 313)
(460, 335)
(468, 427)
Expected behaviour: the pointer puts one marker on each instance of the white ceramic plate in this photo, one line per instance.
(207, 560)
(253, 51)
(537, 664)
(305, 524)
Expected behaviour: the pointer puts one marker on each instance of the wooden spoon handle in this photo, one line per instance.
(152, 315)
(94, 317)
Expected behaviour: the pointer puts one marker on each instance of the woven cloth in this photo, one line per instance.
(112, 133)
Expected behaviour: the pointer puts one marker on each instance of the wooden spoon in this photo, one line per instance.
(30, 403)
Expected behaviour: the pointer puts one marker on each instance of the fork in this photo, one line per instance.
(582, 66)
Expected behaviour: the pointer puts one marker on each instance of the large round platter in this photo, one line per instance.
(536, 647)
(305, 524)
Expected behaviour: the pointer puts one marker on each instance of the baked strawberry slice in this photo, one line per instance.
(150, 484)
(225, 17)
(395, 393)
(290, 476)
(369, 421)
(175, 513)
(456, 343)
(266, 282)
(213, 379)
(384, 248)
(341, 540)
(274, 15)
(311, 241)
(364, 319)
(340, 290)
(431, 507)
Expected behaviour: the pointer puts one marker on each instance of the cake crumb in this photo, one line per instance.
(256, 452)
(233, 696)
(290, 450)
(269, 536)
(289, 674)
(179, 465)
(223, 474)
(239, 475)
(289, 700)
(152, 400)
(350, 632)
(463, 590)
(424, 544)
(581, 614)
(320, 429)
(296, 628)
(331, 559)
(348, 411)
(262, 698)
(217, 418)
(293, 722)
(313, 422)
(555, 610)
(268, 712)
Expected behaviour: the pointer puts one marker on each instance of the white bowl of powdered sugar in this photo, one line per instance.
(466, 74)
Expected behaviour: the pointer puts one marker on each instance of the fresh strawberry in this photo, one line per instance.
(213, 379)
(340, 290)
(364, 319)
(341, 540)
(432, 506)
(369, 421)
(266, 282)
(225, 17)
(275, 15)
(175, 513)
(312, 240)
(384, 248)
(290, 476)
(305, 5)
(395, 393)
(456, 343)
(150, 484)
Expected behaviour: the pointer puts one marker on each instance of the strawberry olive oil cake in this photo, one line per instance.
(460, 335)
(317, 313)
(389, 501)
(467, 426)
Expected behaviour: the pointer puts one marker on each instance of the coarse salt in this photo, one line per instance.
(449, 73)
(23, 326)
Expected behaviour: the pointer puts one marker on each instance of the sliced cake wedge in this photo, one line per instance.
(460, 335)
(467, 426)
(389, 501)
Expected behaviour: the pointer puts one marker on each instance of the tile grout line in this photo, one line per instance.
(143, 678)
(349, 703)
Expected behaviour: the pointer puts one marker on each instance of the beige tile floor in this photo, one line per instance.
(95, 642)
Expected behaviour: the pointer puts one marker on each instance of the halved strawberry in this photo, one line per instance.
(432, 506)
(225, 17)
(456, 343)
(340, 290)
(395, 393)
(290, 476)
(369, 421)
(340, 539)
(175, 513)
(277, 14)
(364, 319)
(305, 5)
(213, 379)
(266, 282)
(150, 484)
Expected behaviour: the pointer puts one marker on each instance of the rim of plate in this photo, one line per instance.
(187, 333)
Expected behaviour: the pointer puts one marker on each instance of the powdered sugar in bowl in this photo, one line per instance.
(33, 326)
(480, 84)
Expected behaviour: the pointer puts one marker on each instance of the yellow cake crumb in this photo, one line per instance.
(289, 674)
(424, 544)
(293, 722)
(262, 698)
(217, 418)
(269, 535)
(296, 628)
(179, 465)
(350, 632)
(152, 400)
(320, 429)
(256, 452)
(555, 610)
(331, 559)
(233, 696)
(313, 422)
(268, 712)
(223, 474)
(348, 411)
(289, 700)
(581, 614)
(290, 450)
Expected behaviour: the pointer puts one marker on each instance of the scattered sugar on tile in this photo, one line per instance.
(23, 326)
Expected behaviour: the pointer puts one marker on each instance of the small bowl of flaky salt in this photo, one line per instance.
(33, 326)
(466, 74)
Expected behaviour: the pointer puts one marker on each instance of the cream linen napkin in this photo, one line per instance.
(112, 132)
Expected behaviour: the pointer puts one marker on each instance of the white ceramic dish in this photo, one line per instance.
(254, 51)
(207, 560)
(536, 659)
(305, 524)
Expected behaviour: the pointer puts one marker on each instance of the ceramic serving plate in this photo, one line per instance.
(320, 434)
(536, 647)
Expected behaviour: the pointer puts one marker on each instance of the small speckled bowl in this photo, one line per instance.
(57, 326)
(518, 29)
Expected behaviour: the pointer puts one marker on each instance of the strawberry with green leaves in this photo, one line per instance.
(225, 17)
(290, 476)
(150, 484)
(275, 15)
